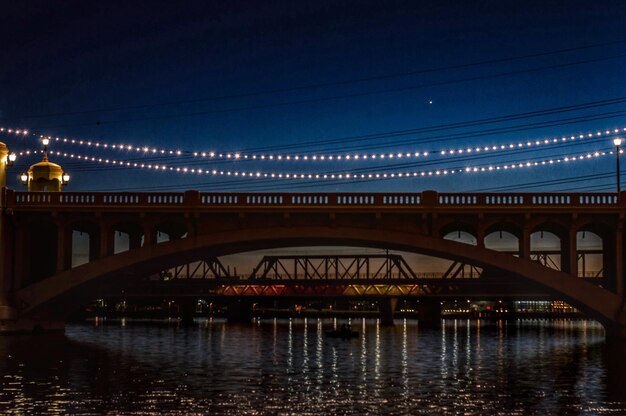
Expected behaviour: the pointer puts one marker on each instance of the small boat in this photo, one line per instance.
(343, 333)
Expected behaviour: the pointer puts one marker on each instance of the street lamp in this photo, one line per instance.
(65, 178)
(617, 142)
(45, 143)
(11, 159)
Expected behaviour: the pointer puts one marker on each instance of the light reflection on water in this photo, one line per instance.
(289, 367)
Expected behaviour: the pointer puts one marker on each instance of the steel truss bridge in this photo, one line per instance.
(333, 275)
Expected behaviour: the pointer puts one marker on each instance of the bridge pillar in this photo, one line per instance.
(480, 235)
(149, 235)
(239, 311)
(107, 241)
(524, 243)
(387, 309)
(19, 258)
(134, 240)
(614, 357)
(64, 248)
(7, 309)
(616, 330)
(618, 267)
(570, 254)
(429, 313)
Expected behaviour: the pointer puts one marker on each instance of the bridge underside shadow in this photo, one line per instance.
(48, 302)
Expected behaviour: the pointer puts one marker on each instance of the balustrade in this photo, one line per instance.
(18, 200)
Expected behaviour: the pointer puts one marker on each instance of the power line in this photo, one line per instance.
(345, 96)
(535, 184)
(317, 85)
(395, 133)
(446, 126)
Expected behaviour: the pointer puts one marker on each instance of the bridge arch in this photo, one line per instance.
(457, 226)
(41, 298)
(557, 228)
(503, 224)
(502, 240)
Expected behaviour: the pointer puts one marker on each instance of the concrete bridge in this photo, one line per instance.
(39, 286)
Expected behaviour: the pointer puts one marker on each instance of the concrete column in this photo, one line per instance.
(95, 246)
(429, 313)
(149, 235)
(5, 254)
(192, 227)
(614, 360)
(64, 248)
(387, 310)
(524, 243)
(7, 309)
(616, 330)
(619, 260)
(107, 241)
(19, 269)
(134, 240)
(569, 259)
(480, 236)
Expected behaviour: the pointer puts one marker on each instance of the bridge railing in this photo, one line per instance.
(426, 199)
(529, 199)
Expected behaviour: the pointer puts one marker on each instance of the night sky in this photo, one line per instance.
(316, 78)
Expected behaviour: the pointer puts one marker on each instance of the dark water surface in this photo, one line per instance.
(289, 367)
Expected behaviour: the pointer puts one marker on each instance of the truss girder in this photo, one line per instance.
(350, 290)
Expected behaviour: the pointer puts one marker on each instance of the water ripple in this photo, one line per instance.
(288, 367)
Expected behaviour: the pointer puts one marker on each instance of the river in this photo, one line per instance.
(281, 367)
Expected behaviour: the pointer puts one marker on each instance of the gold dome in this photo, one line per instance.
(45, 170)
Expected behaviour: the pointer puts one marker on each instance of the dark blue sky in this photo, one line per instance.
(236, 75)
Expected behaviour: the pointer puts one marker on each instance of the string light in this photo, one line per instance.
(235, 156)
(17, 132)
(160, 167)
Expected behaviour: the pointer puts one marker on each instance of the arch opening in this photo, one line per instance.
(590, 254)
(460, 236)
(502, 240)
(545, 248)
(121, 242)
(84, 243)
(126, 236)
(80, 248)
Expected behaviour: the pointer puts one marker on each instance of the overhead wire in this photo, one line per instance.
(339, 97)
(319, 85)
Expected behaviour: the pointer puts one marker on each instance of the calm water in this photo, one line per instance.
(289, 367)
